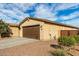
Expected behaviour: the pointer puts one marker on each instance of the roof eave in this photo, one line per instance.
(48, 21)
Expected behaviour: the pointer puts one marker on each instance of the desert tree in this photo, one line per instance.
(4, 28)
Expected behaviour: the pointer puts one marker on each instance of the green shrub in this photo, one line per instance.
(61, 40)
(71, 41)
(76, 38)
(66, 41)
(58, 53)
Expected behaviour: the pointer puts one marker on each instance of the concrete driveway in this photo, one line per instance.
(11, 42)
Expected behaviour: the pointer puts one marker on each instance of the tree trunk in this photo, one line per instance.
(0, 36)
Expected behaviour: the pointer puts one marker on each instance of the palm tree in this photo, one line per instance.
(4, 28)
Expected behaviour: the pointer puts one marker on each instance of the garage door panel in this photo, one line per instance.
(31, 32)
(69, 32)
(31, 36)
(64, 33)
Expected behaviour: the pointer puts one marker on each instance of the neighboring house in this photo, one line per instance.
(41, 29)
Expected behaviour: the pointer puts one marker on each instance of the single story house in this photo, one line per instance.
(41, 29)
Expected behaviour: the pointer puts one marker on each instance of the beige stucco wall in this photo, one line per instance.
(31, 22)
(52, 31)
(15, 31)
(47, 31)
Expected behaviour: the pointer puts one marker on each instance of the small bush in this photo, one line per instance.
(76, 38)
(66, 41)
(58, 53)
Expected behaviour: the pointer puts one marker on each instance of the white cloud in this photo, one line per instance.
(11, 21)
(24, 6)
(65, 6)
(9, 11)
(44, 12)
(19, 14)
(1, 5)
(13, 11)
(7, 19)
(72, 22)
(72, 19)
(72, 15)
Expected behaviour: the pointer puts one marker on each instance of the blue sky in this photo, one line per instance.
(59, 12)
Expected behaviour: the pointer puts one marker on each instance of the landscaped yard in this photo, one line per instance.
(67, 46)
(35, 48)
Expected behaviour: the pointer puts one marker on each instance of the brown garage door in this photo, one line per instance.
(69, 32)
(64, 32)
(31, 31)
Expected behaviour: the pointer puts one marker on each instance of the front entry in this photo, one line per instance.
(31, 31)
